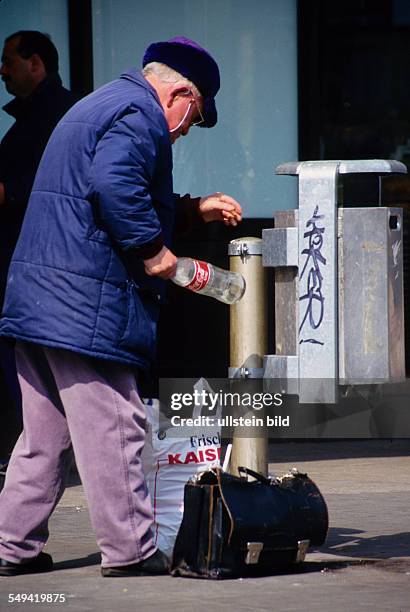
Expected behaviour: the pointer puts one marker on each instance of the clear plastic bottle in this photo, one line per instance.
(203, 277)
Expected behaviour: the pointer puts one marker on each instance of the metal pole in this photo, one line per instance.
(248, 345)
(286, 296)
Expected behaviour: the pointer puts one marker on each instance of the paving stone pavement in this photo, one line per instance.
(364, 564)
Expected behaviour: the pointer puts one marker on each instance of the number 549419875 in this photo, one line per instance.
(36, 598)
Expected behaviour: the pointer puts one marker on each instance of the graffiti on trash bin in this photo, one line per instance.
(312, 275)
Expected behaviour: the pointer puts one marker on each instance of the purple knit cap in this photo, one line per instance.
(194, 63)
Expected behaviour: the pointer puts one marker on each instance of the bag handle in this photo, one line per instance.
(256, 475)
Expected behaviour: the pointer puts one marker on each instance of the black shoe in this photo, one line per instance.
(42, 563)
(155, 565)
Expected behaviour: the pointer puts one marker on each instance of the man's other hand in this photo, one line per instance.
(220, 207)
(163, 264)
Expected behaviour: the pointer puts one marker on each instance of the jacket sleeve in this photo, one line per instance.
(122, 170)
(187, 214)
(19, 182)
(17, 189)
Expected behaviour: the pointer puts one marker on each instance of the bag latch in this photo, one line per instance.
(254, 550)
(303, 546)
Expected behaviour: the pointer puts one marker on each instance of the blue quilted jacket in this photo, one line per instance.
(102, 193)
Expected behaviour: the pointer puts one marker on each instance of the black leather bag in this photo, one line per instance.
(234, 527)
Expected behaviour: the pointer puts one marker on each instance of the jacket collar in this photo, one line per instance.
(136, 76)
(20, 107)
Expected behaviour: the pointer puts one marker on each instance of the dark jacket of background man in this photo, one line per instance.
(29, 70)
(21, 148)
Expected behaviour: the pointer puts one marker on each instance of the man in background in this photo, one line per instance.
(29, 70)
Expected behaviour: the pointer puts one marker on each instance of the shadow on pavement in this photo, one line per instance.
(289, 570)
(349, 542)
(94, 559)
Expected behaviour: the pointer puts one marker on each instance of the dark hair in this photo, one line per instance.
(32, 42)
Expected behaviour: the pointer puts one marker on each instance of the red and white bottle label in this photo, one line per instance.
(201, 276)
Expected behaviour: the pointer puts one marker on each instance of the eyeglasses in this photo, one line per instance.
(198, 110)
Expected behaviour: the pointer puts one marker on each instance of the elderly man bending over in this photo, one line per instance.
(82, 302)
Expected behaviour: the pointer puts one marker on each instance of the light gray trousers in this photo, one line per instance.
(92, 405)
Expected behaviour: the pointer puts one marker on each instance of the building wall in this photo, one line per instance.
(255, 44)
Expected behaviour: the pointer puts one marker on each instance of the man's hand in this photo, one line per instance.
(220, 207)
(163, 264)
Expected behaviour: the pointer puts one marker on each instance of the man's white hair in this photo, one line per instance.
(169, 75)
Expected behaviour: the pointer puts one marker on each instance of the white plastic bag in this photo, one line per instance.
(168, 463)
